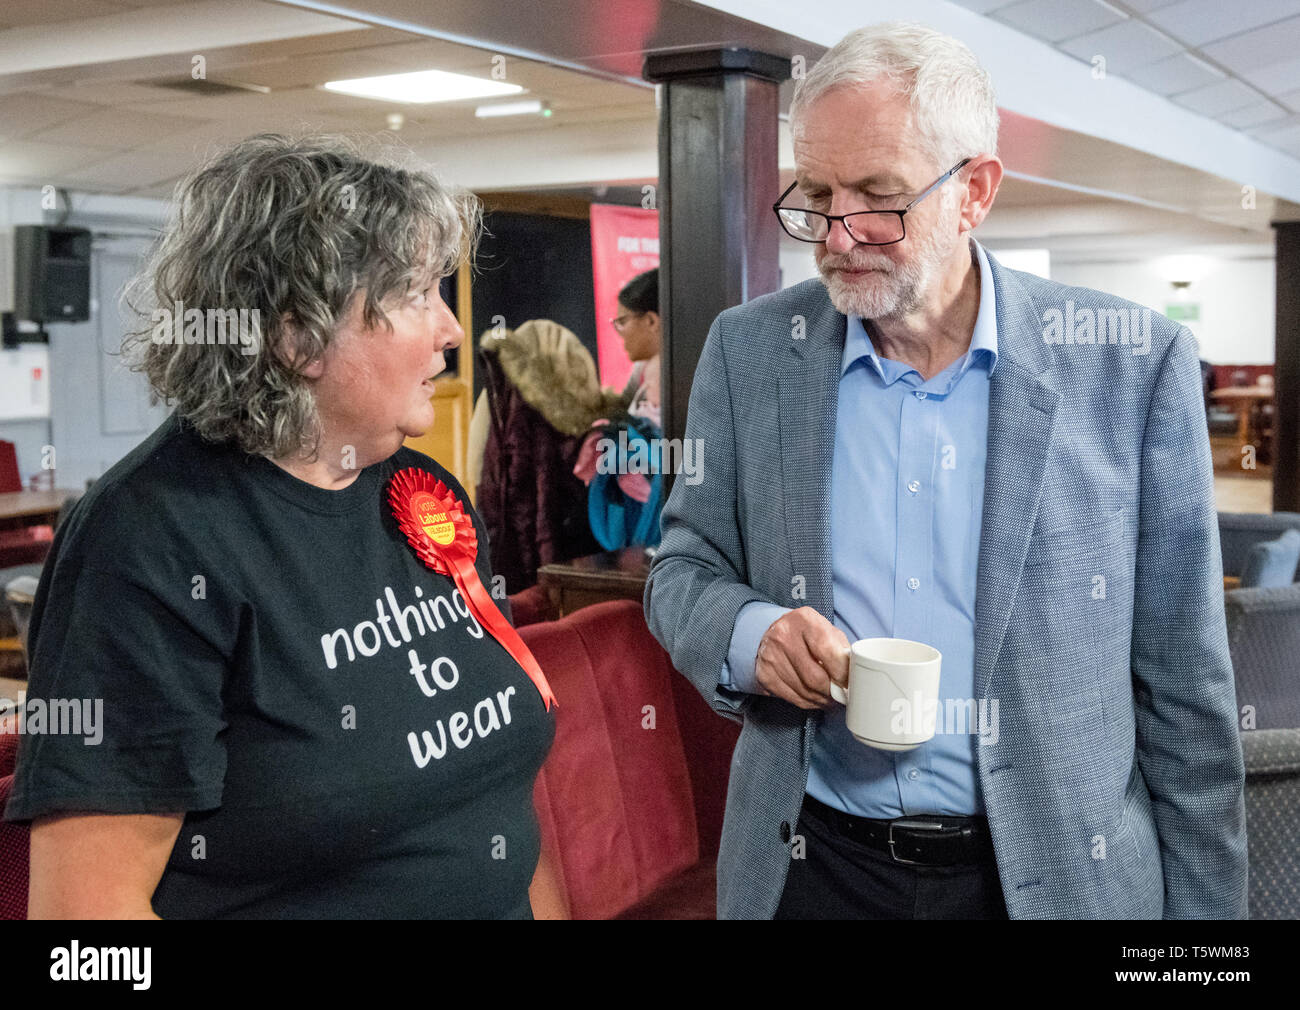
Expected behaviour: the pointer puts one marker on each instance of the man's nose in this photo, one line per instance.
(838, 240)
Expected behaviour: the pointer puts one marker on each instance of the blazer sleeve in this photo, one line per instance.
(698, 583)
(1188, 747)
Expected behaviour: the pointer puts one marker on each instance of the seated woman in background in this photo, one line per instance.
(638, 324)
(303, 715)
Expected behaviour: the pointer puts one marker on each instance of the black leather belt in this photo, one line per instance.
(928, 840)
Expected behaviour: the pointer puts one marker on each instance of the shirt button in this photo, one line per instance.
(913, 774)
(913, 584)
(920, 394)
(914, 486)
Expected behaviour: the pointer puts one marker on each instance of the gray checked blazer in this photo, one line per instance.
(1115, 787)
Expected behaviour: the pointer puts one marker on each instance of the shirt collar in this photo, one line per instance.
(984, 338)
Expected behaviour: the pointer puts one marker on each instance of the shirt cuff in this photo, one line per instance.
(752, 622)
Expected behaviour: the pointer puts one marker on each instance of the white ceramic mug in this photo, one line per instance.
(893, 695)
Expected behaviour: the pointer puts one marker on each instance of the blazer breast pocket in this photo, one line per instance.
(1089, 537)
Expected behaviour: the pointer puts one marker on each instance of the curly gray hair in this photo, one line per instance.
(283, 231)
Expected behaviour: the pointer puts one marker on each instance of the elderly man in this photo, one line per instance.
(923, 444)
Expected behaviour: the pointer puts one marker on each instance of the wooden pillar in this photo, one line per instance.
(718, 179)
(1286, 370)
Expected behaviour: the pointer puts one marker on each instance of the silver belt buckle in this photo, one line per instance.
(919, 826)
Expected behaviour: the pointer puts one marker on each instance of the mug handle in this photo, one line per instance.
(839, 694)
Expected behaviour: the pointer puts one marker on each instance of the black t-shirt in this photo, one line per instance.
(274, 660)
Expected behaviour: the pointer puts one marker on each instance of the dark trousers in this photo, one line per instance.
(840, 878)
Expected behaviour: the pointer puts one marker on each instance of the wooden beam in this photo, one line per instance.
(718, 238)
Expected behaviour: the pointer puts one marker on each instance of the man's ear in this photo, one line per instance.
(981, 189)
(291, 348)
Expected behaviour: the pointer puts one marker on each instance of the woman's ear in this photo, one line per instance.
(652, 320)
(291, 348)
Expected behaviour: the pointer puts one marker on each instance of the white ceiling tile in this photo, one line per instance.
(19, 13)
(1056, 20)
(1258, 48)
(118, 93)
(118, 129)
(1258, 114)
(983, 6)
(1143, 6)
(1125, 46)
(130, 171)
(1259, 132)
(26, 112)
(1276, 77)
(35, 162)
(1278, 136)
(1216, 99)
(1197, 22)
(1178, 73)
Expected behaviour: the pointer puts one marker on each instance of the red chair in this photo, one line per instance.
(631, 797)
(10, 480)
(14, 865)
(27, 545)
(531, 606)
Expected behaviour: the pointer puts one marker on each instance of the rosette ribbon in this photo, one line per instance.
(436, 526)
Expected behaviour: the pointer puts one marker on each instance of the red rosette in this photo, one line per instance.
(431, 518)
(435, 524)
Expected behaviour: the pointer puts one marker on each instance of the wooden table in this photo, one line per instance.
(32, 508)
(1244, 399)
(613, 575)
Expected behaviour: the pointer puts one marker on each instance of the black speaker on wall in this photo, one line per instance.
(51, 274)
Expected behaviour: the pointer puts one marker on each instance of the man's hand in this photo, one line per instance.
(799, 656)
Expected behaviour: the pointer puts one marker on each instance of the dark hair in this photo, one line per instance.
(641, 293)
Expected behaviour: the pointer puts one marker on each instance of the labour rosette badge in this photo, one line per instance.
(436, 526)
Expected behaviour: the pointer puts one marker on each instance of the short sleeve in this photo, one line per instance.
(135, 694)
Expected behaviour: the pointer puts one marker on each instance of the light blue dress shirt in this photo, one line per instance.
(907, 497)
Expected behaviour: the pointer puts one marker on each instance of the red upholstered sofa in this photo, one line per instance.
(631, 797)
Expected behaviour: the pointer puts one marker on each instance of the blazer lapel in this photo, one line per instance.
(808, 381)
(1022, 417)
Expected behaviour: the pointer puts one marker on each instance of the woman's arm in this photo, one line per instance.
(546, 894)
(98, 866)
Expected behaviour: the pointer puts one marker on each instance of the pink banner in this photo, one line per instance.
(624, 243)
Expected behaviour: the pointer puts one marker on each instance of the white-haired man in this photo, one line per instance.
(925, 445)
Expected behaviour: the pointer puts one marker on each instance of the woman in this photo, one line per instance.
(637, 323)
(302, 716)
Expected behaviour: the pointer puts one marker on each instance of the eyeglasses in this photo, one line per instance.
(869, 227)
(618, 322)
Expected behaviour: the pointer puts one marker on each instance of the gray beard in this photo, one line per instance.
(888, 295)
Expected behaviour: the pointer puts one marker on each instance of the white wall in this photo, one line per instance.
(1236, 301)
(98, 410)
